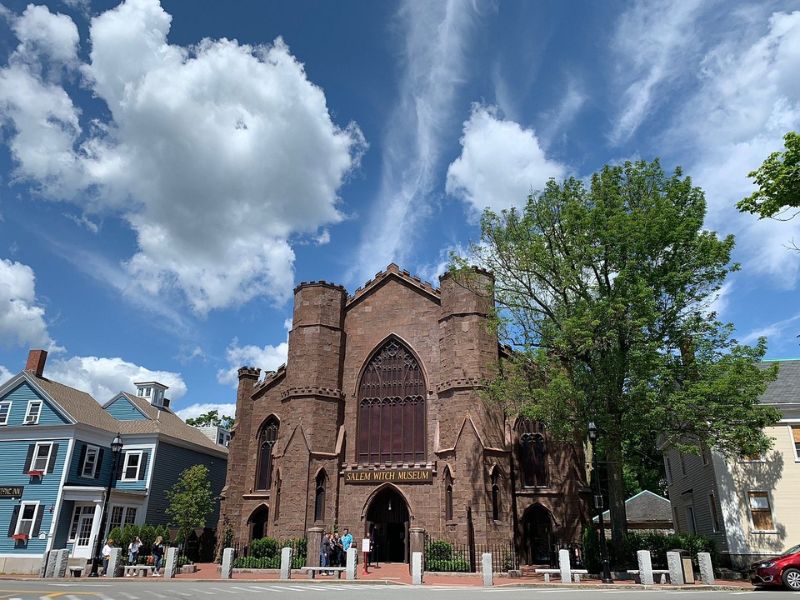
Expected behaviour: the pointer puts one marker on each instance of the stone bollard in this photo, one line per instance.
(171, 563)
(227, 563)
(645, 567)
(351, 570)
(564, 566)
(416, 568)
(488, 575)
(62, 562)
(50, 568)
(45, 560)
(675, 567)
(113, 562)
(706, 568)
(286, 563)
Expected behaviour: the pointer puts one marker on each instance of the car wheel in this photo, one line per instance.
(791, 579)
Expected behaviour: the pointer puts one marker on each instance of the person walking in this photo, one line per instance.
(158, 555)
(324, 553)
(133, 552)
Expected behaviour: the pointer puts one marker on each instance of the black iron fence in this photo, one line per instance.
(265, 553)
(440, 555)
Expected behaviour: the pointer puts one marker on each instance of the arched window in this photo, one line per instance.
(319, 497)
(496, 494)
(448, 496)
(391, 408)
(532, 453)
(266, 440)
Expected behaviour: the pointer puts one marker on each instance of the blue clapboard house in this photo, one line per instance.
(56, 462)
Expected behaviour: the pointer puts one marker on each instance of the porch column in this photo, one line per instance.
(96, 518)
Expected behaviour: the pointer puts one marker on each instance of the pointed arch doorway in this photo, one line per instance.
(537, 528)
(258, 522)
(387, 521)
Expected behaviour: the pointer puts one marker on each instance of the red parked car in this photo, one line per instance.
(781, 570)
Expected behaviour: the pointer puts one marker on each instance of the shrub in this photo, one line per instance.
(624, 556)
(459, 565)
(264, 548)
(439, 551)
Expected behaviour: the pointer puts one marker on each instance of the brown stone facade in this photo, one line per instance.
(460, 480)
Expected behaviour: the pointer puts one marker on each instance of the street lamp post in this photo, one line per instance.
(598, 504)
(116, 448)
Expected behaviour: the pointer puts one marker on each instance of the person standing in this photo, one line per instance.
(106, 552)
(133, 551)
(158, 555)
(325, 552)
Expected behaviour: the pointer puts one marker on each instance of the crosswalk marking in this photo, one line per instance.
(129, 596)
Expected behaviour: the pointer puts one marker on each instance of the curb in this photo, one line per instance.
(628, 586)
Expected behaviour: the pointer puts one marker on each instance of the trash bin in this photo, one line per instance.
(686, 564)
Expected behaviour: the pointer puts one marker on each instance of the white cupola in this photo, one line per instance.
(153, 392)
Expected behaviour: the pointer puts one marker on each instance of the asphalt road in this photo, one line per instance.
(244, 590)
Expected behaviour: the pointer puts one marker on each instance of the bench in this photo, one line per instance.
(312, 571)
(664, 573)
(575, 573)
(75, 571)
(137, 570)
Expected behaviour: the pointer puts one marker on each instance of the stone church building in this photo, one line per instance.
(376, 423)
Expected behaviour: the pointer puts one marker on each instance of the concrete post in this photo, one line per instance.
(45, 560)
(488, 575)
(675, 568)
(351, 570)
(416, 568)
(286, 563)
(564, 566)
(706, 568)
(645, 567)
(227, 563)
(50, 568)
(417, 539)
(171, 563)
(60, 559)
(314, 537)
(113, 562)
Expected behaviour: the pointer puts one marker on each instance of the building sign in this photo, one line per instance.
(14, 491)
(393, 475)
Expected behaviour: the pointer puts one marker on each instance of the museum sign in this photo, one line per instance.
(392, 475)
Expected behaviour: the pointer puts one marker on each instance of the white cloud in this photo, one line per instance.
(215, 154)
(500, 163)
(50, 36)
(105, 377)
(5, 374)
(652, 38)
(555, 121)
(774, 331)
(435, 44)
(195, 410)
(268, 358)
(22, 321)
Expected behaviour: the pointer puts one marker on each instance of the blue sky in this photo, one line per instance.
(169, 172)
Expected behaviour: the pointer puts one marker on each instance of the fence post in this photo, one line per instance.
(564, 566)
(227, 563)
(645, 567)
(286, 563)
(488, 575)
(706, 568)
(351, 571)
(416, 568)
(675, 567)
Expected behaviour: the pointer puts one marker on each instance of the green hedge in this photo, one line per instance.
(458, 565)
(123, 536)
(624, 556)
(274, 562)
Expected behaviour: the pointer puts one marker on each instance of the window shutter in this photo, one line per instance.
(99, 464)
(37, 522)
(120, 464)
(28, 458)
(12, 526)
(81, 459)
(143, 467)
(53, 456)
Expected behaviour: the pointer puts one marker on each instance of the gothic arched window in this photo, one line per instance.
(266, 440)
(496, 494)
(391, 408)
(532, 453)
(448, 496)
(319, 497)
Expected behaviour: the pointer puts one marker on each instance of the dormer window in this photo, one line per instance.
(153, 392)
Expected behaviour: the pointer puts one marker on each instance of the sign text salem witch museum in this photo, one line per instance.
(399, 475)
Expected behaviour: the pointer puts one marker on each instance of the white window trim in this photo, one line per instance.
(89, 448)
(125, 465)
(76, 516)
(28, 412)
(750, 512)
(32, 466)
(22, 512)
(8, 414)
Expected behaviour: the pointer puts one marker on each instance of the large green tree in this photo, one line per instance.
(778, 181)
(606, 295)
(211, 417)
(190, 500)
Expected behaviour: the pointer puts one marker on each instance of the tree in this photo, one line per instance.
(190, 500)
(211, 418)
(778, 180)
(605, 296)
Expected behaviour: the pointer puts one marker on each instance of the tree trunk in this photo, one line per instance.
(616, 490)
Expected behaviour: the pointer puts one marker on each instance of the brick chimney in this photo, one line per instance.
(36, 360)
